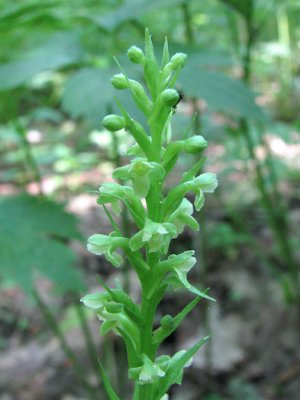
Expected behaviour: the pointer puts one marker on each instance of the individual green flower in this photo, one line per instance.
(207, 182)
(106, 245)
(148, 372)
(180, 265)
(204, 183)
(114, 193)
(176, 267)
(141, 172)
(95, 301)
(168, 363)
(183, 216)
(112, 314)
(155, 235)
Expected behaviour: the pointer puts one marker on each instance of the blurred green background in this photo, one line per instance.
(242, 78)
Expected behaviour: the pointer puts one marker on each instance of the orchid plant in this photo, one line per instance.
(160, 215)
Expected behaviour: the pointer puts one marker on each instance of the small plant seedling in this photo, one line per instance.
(166, 214)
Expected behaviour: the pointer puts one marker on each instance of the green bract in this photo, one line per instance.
(159, 215)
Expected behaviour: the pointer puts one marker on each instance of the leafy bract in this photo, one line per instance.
(175, 370)
(33, 240)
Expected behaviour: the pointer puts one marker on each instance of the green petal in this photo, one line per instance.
(136, 242)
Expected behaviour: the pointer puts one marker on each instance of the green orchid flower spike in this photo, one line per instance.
(159, 215)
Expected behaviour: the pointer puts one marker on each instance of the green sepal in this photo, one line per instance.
(114, 193)
(95, 300)
(107, 385)
(148, 372)
(176, 367)
(136, 151)
(106, 245)
(174, 281)
(206, 183)
(119, 296)
(155, 235)
(142, 173)
(107, 326)
(199, 200)
(183, 216)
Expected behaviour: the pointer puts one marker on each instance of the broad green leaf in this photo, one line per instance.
(16, 11)
(33, 241)
(61, 50)
(88, 93)
(132, 9)
(176, 369)
(243, 7)
(221, 92)
(108, 387)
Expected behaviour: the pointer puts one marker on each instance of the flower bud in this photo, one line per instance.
(136, 55)
(170, 97)
(119, 82)
(167, 322)
(178, 61)
(113, 122)
(195, 144)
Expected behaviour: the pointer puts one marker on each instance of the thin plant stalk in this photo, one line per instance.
(78, 369)
(89, 342)
(30, 160)
(279, 227)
